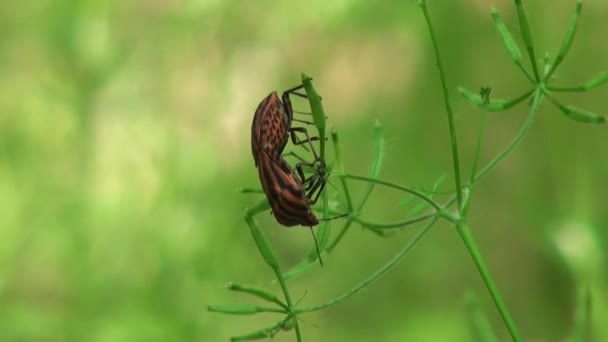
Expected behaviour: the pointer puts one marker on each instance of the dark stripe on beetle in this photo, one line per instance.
(286, 200)
(268, 179)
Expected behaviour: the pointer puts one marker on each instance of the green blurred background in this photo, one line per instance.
(124, 134)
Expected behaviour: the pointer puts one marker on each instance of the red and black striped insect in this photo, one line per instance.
(270, 132)
(284, 191)
(290, 197)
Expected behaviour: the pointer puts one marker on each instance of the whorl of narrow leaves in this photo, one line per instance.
(506, 37)
(262, 243)
(596, 81)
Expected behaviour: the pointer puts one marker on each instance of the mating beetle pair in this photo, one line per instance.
(289, 195)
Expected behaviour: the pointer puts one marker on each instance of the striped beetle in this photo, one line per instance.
(286, 194)
(270, 132)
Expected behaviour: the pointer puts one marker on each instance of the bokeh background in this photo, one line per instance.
(124, 134)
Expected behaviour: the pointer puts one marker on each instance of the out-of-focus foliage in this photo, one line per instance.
(124, 136)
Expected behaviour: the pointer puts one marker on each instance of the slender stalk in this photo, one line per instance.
(416, 193)
(482, 126)
(448, 106)
(277, 272)
(362, 285)
(467, 238)
(526, 35)
(567, 89)
(395, 225)
(524, 129)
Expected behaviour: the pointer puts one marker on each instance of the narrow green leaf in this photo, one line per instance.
(395, 225)
(419, 207)
(241, 309)
(315, 102)
(260, 207)
(506, 37)
(408, 199)
(378, 154)
(339, 164)
(526, 35)
(582, 115)
(318, 113)
(324, 230)
(256, 335)
(298, 269)
(377, 274)
(470, 95)
(582, 326)
(251, 191)
(265, 332)
(256, 291)
(546, 65)
(596, 81)
(495, 105)
(567, 42)
(262, 243)
(478, 320)
(381, 232)
(377, 162)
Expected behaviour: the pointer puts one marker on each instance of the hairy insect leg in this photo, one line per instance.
(303, 121)
(289, 107)
(316, 246)
(305, 181)
(295, 155)
(287, 101)
(309, 140)
(294, 91)
(317, 187)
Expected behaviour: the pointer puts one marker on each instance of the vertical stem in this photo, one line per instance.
(482, 126)
(466, 236)
(526, 35)
(448, 106)
(277, 272)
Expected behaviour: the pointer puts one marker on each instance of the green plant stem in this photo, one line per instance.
(482, 126)
(526, 35)
(362, 285)
(524, 129)
(416, 193)
(467, 238)
(567, 89)
(395, 225)
(377, 161)
(277, 272)
(448, 106)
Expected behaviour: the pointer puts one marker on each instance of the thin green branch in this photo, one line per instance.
(377, 162)
(362, 285)
(448, 106)
(394, 225)
(398, 187)
(482, 126)
(277, 272)
(524, 129)
(243, 309)
(567, 89)
(567, 42)
(469, 241)
(526, 35)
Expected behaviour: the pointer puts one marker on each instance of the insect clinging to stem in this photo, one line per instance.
(290, 198)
